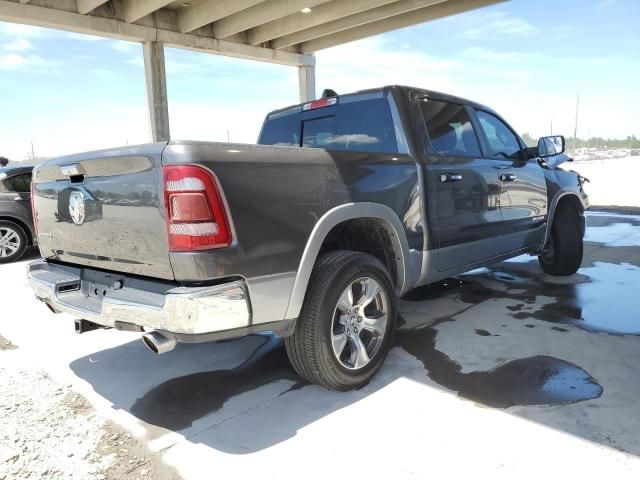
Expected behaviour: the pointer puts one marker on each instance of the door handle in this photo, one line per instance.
(508, 177)
(450, 177)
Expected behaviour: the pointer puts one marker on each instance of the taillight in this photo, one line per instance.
(34, 214)
(196, 215)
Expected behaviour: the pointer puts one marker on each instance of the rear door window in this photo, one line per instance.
(20, 183)
(358, 125)
(503, 143)
(450, 129)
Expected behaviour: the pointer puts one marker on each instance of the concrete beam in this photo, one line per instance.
(301, 21)
(260, 14)
(136, 9)
(441, 10)
(350, 21)
(208, 11)
(86, 6)
(113, 28)
(232, 49)
(307, 83)
(155, 75)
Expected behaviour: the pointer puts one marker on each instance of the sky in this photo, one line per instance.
(67, 92)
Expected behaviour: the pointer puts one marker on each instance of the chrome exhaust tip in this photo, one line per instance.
(158, 343)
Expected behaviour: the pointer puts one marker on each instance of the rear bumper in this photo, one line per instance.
(120, 301)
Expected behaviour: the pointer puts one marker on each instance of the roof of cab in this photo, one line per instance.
(388, 88)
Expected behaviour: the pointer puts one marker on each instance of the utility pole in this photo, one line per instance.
(589, 139)
(228, 137)
(551, 127)
(575, 128)
(33, 155)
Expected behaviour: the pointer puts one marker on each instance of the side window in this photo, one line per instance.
(502, 141)
(449, 128)
(17, 184)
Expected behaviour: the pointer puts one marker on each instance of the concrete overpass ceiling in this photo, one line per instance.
(276, 31)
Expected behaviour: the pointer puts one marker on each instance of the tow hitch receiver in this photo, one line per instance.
(83, 326)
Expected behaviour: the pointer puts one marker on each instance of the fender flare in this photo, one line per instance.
(330, 219)
(552, 210)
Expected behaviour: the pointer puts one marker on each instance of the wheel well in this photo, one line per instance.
(21, 224)
(366, 235)
(571, 200)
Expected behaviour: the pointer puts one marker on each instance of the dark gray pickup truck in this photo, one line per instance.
(346, 203)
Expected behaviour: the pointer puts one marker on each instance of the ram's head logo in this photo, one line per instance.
(76, 207)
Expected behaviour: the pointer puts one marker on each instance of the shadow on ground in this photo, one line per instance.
(242, 396)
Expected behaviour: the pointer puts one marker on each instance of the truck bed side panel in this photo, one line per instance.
(277, 194)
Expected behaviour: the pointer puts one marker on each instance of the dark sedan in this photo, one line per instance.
(17, 232)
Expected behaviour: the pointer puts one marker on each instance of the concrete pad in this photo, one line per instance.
(503, 372)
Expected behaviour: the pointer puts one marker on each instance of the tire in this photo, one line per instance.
(325, 320)
(563, 253)
(13, 241)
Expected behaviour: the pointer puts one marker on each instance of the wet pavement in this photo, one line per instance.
(475, 354)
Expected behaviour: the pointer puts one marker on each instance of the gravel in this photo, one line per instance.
(48, 431)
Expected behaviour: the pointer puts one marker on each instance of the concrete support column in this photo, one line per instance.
(154, 72)
(307, 82)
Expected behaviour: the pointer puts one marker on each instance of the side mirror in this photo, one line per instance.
(550, 146)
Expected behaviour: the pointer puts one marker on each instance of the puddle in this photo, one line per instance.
(538, 380)
(611, 302)
(601, 297)
(178, 402)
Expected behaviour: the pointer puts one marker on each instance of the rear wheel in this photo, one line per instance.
(563, 253)
(346, 325)
(13, 241)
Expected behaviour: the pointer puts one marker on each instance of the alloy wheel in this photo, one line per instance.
(359, 323)
(9, 242)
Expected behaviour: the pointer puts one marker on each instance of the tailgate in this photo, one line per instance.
(104, 209)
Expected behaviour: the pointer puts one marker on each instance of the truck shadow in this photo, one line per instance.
(242, 396)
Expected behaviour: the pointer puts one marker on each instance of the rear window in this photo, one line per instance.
(359, 126)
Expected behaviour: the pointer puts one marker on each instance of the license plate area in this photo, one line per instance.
(100, 284)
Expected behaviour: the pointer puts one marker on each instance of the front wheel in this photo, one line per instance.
(563, 253)
(347, 322)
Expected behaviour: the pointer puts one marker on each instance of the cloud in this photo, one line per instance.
(18, 45)
(481, 53)
(15, 61)
(20, 54)
(126, 47)
(498, 24)
(373, 62)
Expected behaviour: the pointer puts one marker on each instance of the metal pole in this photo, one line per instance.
(575, 129)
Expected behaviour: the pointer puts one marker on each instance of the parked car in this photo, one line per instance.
(347, 203)
(16, 223)
(635, 153)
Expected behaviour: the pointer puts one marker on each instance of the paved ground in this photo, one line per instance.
(500, 373)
